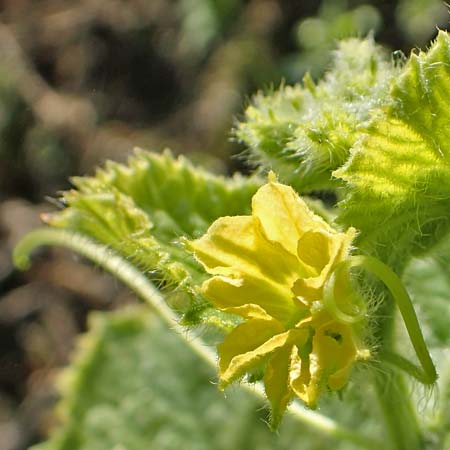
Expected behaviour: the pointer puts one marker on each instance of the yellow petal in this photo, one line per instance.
(225, 293)
(322, 251)
(276, 383)
(249, 311)
(346, 296)
(300, 378)
(236, 247)
(315, 248)
(332, 358)
(245, 338)
(336, 352)
(249, 345)
(284, 216)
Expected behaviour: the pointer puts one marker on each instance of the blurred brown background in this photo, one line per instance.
(84, 81)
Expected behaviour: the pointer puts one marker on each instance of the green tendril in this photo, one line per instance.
(426, 373)
(329, 299)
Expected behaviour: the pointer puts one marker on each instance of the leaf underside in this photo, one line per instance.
(144, 208)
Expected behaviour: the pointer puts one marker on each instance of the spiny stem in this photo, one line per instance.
(142, 286)
(427, 372)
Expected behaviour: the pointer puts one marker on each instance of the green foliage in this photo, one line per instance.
(203, 21)
(142, 211)
(398, 176)
(428, 280)
(305, 132)
(123, 391)
(419, 18)
(317, 36)
(382, 132)
(393, 144)
(430, 285)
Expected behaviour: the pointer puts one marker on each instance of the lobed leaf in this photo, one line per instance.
(398, 178)
(143, 209)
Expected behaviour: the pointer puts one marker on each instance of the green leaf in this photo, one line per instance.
(143, 209)
(135, 385)
(305, 132)
(398, 192)
(180, 198)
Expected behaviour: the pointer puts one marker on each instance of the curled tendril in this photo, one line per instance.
(329, 298)
(426, 373)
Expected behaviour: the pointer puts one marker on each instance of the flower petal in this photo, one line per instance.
(251, 344)
(276, 383)
(225, 293)
(284, 216)
(328, 365)
(244, 339)
(236, 247)
(335, 349)
(315, 249)
(300, 377)
(248, 311)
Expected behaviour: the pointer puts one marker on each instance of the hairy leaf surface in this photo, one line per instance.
(134, 385)
(398, 193)
(143, 209)
(305, 132)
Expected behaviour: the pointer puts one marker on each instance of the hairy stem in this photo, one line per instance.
(142, 286)
(393, 394)
(426, 373)
(406, 365)
(398, 412)
(392, 391)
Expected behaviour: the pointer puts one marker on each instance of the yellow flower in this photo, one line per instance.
(270, 268)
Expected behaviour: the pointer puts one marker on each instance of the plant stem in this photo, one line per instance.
(426, 372)
(398, 412)
(393, 395)
(142, 286)
(392, 391)
(406, 365)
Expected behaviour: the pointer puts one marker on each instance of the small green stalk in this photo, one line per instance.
(392, 392)
(426, 373)
(398, 412)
